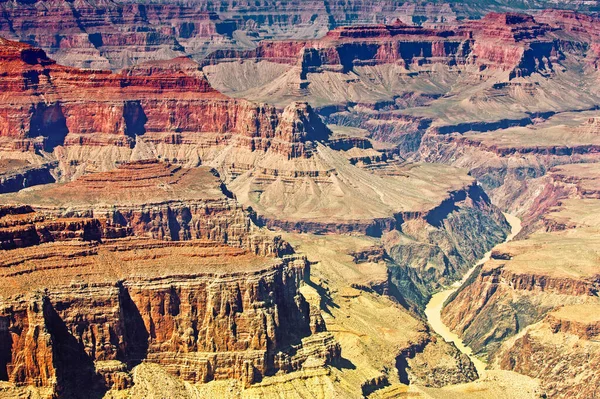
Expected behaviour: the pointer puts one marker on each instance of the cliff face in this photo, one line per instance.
(53, 105)
(125, 202)
(199, 328)
(553, 265)
(87, 299)
(566, 336)
(519, 167)
(509, 42)
(114, 34)
(16, 175)
(430, 253)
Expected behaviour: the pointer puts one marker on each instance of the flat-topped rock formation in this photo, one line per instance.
(508, 42)
(568, 335)
(158, 200)
(51, 105)
(93, 288)
(580, 320)
(130, 300)
(145, 263)
(420, 87)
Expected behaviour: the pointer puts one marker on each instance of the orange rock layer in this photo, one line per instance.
(68, 106)
(145, 198)
(201, 309)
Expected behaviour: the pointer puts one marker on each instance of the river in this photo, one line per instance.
(434, 306)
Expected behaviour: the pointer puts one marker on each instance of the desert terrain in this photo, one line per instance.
(292, 199)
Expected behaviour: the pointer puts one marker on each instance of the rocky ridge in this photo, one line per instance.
(233, 311)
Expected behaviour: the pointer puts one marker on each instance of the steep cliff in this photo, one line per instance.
(89, 295)
(154, 199)
(114, 34)
(512, 42)
(244, 322)
(566, 336)
(52, 105)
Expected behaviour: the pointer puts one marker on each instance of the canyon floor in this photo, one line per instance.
(299, 200)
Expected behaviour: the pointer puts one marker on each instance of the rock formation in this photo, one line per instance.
(566, 336)
(149, 198)
(88, 297)
(139, 206)
(114, 34)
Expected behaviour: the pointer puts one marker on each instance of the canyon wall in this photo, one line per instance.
(90, 294)
(511, 42)
(52, 105)
(565, 336)
(553, 264)
(114, 34)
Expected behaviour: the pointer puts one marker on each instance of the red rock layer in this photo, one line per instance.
(109, 33)
(200, 327)
(91, 33)
(75, 297)
(75, 107)
(21, 227)
(583, 329)
(512, 42)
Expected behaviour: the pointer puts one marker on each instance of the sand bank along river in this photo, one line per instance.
(434, 307)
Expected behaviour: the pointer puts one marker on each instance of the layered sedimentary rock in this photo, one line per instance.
(89, 293)
(230, 317)
(513, 42)
(46, 105)
(568, 335)
(149, 262)
(284, 170)
(114, 34)
(439, 90)
(154, 199)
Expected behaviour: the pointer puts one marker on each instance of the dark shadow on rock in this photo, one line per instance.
(402, 367)
(5, 348)
(135, 119)
(75, 373)
(136, 334)
(48, 121)
(326, 300)
(344, 364)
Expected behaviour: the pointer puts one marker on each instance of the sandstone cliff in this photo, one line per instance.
(85, 301)
(52, 106)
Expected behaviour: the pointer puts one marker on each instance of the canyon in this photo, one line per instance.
(119, 33)
(255, 200)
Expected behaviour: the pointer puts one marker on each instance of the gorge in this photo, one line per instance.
(299, 199)
(434, 307)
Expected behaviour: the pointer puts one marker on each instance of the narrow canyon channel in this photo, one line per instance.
(433, 309)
